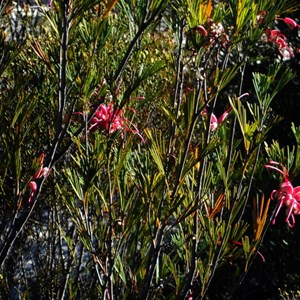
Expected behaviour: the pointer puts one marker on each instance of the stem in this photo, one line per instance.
(62, 92)
(191, 273)
(177, 96)
(250, 182)
(110, 233)
(154, 254)
(233, 128)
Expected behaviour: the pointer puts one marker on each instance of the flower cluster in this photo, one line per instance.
(215, 32)
(106, 118)
(40, 173)
(286, 194)
(275, 36)
(109, 119)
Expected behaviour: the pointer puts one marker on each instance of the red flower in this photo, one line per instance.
(201, 29)
(290, 22)
(109, 119)
(283, 48)
(40, 173)
(261, 16)
(274, 36)
(214, 31)
(106, 118)
(286, 194)
(33, 189)
(214, 121)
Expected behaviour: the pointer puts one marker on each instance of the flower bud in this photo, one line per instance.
(201, 29)
(33, 186)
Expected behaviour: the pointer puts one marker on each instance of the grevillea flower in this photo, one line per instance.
(40, 173)
(274, 36)
(110, 119)
(214, 31)
(201, 29)
(290, 22)
(261, 16)
(286, 194)
(217, 31)
(283, 48)
(214, 121)
(107, 118)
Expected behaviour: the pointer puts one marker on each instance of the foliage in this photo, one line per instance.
(117, 178)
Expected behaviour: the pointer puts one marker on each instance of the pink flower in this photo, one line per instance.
(106, 119)
(40, 173)
(290, 22)
(110, 119)
(201, 29)
(274, 36)
(286, 194)
(214, 121)
(283, 48)
(214, 31)
(261, 16)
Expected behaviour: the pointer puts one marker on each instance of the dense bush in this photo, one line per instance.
(146, 148)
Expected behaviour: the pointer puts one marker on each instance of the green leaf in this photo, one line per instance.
(118, 266)
(76, 182)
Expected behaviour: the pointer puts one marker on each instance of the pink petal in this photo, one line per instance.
(286, 52)
(94, 120)
(201, 29)
(278, 209)
(213, 119)
(33, 186)
(280, 42)
(273, 34)
(286, 187)
(296, 208)
(224, 115)
(290, 22)
(213, 122)
(296, 193)
(287, 199)
(291, 224)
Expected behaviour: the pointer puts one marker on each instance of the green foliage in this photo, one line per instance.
(156, 199)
